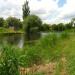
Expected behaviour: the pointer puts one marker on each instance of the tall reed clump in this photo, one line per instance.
(46, 49)
(65, 35)
(48, 41)
(47, 46)
(40, 52)
(30, 57)
(8, 61)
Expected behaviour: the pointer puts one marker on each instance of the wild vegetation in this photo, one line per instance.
(52, 54)
(52, 48)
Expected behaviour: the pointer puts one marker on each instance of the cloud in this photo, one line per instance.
(50, 11)
(67, 11)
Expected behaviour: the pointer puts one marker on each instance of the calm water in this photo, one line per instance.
(13, 39)
(18, 40)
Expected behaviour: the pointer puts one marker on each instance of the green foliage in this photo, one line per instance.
(49, 41)
(54, 27)
(5, 24)
(37, 73)
(31, 57)
(2, 29)
(58, 27)
(1, 22)
(8, 61)
(26, 10)
(32, 25)
(64, 35)
(14, 22)
(45, 27)
(61, 27)
(68, 26)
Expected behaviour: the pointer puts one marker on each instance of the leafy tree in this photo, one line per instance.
(58, 27)
(73, 22)
(5, 24)
(26, 10)
(68, 26)
(61, 27)
(45, 27)
(1, 22)
(32, 24)
(54, 27)
(14, 22)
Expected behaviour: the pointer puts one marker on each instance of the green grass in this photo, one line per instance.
(52, 48)
(49, 48)
(69, 51)
(9, 30)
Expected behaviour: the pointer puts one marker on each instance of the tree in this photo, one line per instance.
(32, 25)
(45, 27)
(68, 26)
(54, 27)
(5, 24)
(73, 22)
(26, 10)
(61, 27)
(1, 22)
(14, 22)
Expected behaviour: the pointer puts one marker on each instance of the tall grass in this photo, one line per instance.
(8, 61)
(44, 51)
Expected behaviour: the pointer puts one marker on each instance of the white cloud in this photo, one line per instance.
(47, 10)
(67, 12)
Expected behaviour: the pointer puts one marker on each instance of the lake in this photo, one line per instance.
(12, 39)
(19, 39)
(16, 39)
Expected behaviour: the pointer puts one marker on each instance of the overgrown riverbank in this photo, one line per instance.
(52, 48)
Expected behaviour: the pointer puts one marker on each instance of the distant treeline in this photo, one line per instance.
(32, 23)
(18, 24)
(56, 27)
(11, 22)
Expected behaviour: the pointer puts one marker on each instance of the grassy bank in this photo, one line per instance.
(10, 30)
(51, 48)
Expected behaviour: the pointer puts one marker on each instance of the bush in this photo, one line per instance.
(64, 35)
(1, 22)
(49, 41)
(47, 46)
(32, 56)
(8, 61)
(14, 22)
(32, 25)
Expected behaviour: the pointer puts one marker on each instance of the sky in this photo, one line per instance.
(50, 11)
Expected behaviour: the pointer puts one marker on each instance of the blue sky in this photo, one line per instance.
(61, 3)
(50, 11)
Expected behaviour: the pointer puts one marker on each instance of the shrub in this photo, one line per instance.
(8, 61)
(64, 35)
(32, 56)
(14, 22)
(32, 25)
(49, 41)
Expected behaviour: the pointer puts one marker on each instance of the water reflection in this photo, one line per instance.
(18, 40)
(12, 39)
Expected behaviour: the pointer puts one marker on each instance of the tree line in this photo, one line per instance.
(32, 23)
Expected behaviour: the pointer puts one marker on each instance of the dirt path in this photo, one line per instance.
(47, 69)
(63, 69)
